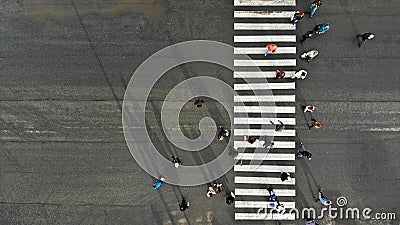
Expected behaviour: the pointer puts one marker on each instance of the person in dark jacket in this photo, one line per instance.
(364, 37)
(296, 17)
(285, 176)
(184, 205)
(304, 152)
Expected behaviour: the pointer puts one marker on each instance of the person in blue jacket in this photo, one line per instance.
(322, 28)
(158, 183)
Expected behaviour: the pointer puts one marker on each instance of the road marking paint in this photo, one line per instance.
(264, 86)
(263, 180)
(264, 109)
(264, 168)
(266, 156)
(265, 192)
(264, 26)
(264, 38)
(263, 14)
(267, 62)
(259, 132)
(264, 3)
(257, 144)
(261, 51)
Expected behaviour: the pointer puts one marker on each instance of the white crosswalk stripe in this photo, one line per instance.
(265, 192)
(264, 98)
(250, 50)
(252, 120)
(264, 109)
(267, 62)
(260, 74)
(264, 38)
(262, 204)
(264, 168)
(266, 156)
(264, 3)
(264, 86)
(263, 180)
(262, 14)
(258, 144)
(264, 132)
(263, 26)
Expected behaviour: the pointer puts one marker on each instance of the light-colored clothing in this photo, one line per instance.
(323, 200)
(301, 74)
(309, 108)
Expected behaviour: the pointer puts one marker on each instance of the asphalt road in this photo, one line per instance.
(64, 69)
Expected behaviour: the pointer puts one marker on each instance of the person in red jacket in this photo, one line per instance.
(271, 48)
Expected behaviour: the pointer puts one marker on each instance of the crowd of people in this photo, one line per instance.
(301, 74)
(217, 188)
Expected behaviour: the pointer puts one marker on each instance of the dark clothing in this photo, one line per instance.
(272, 196)
(176, 160)
(199, 103)
(183, 205)
(365, 36)
(284, 176)
(306, 154)
(230, 198)
(309, 34)
(297, 16)
(280, 127)
(251, 140)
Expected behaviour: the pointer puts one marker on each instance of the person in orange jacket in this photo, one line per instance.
(315, 123)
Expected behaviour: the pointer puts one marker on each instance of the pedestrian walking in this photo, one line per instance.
(296, 17)
(309, 55)
(315, 123)
(364, 37)
(272, 195)
(278, 127)
(309, 108)
(184, 205)
(280, 208)
(218, 188)
(199, 103)
(285, 176)
(176, 161)
(321, 198)
(279, 74)
(322, 28)
(311, 222)
(271, 48)
(301, 74)
(230, 198)
(314, 6)
(210, 191)
(304, 152)
(223, 133)
(158, 183)
(270, 146)
(308, 34)
(251, 140)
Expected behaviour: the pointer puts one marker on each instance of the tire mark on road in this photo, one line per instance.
(99, 63)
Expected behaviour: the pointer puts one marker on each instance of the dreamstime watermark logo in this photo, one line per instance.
(272, 211)
(150, 71)
(341, 201)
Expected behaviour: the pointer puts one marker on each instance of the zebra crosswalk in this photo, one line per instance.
(258, 23)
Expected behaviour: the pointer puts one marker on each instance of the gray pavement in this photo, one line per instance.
(64, 69)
